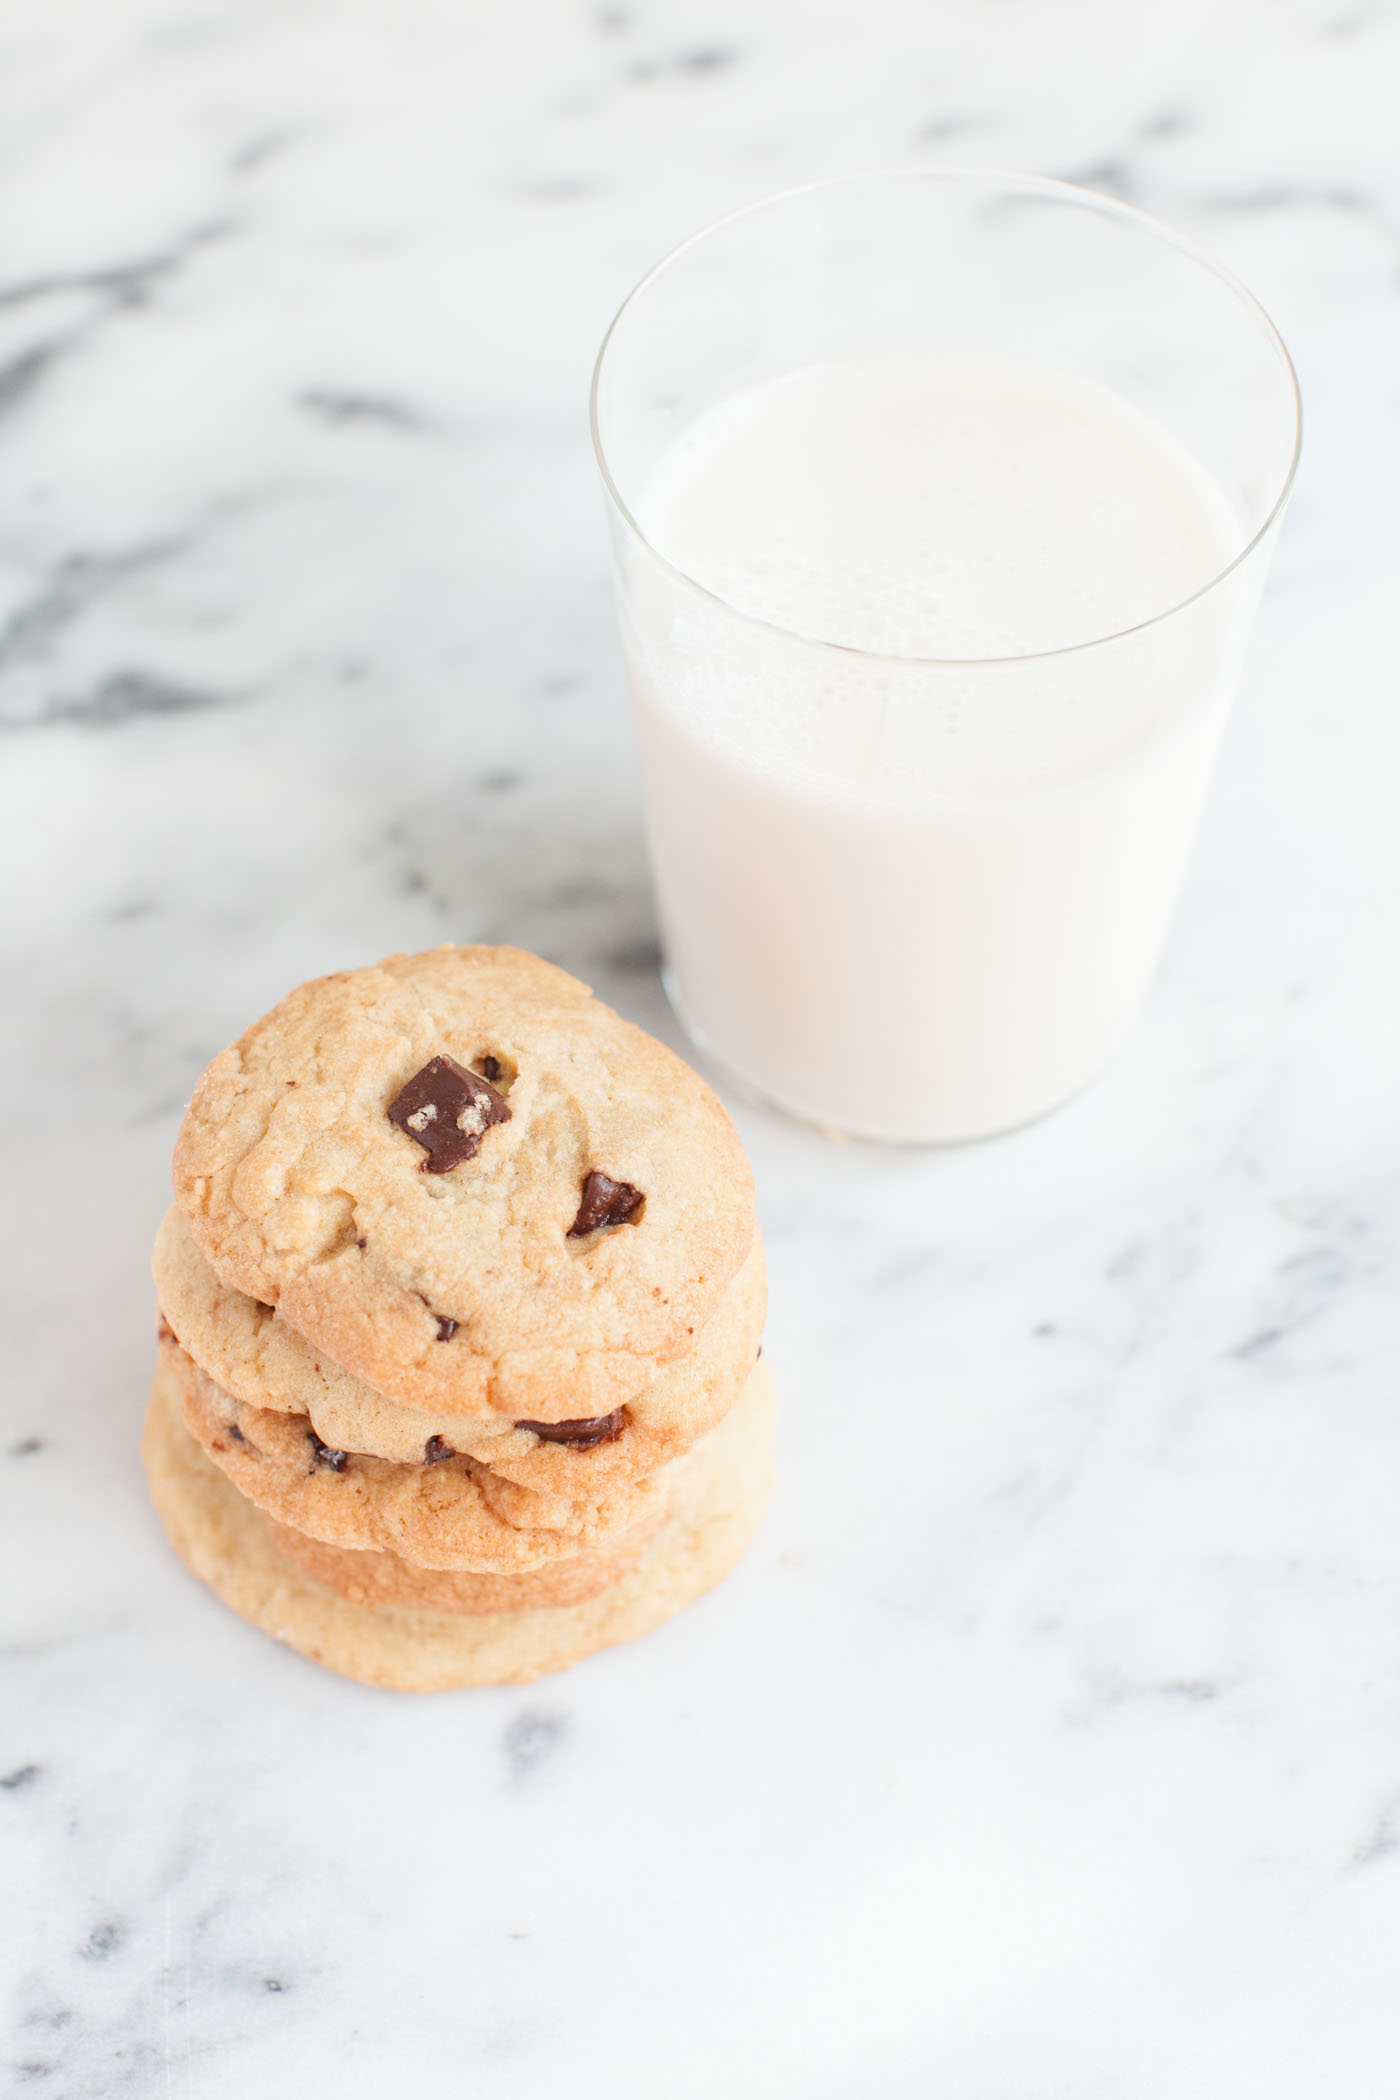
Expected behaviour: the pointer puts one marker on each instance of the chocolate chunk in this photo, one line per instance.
(584, 1434)
(324, 1455)
(605, 1203)
(436, 1450)
(447, 1110)
(491, 1067)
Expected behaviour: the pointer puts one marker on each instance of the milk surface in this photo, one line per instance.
(915, 844)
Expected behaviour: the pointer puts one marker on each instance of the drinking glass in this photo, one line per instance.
(908, 898)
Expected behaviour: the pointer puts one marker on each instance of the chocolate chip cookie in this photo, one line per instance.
(460, 1304)
(456, 1515)
(720, 1489)
(252, 1353)
(470, 1183)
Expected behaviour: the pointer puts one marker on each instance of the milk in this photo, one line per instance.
(915, 842)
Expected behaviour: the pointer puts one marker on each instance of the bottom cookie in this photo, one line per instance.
(720, 1491)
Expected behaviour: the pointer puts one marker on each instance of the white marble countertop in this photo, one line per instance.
(1047, 1747)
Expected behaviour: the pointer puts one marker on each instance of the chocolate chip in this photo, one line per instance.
(436, 1450)
(583, 1434)
(362, 1243)
(164, 1331)
(235, 1432)
(491, 1067)
(605, 1203)
(324, 1455)
(447, 1110)
(446, 1325)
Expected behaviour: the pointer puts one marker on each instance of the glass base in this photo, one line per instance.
(757, 1096)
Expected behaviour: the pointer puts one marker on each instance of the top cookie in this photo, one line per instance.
(470, 1182)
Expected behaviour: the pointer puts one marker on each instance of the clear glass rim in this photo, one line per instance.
(1066, 193)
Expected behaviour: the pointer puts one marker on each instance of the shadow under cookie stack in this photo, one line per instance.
(460, 1300)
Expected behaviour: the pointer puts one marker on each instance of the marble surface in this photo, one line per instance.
(1048, 1745)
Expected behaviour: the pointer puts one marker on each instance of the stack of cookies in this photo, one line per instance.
(460, 1308)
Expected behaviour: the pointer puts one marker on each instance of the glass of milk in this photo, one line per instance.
(941, 506)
